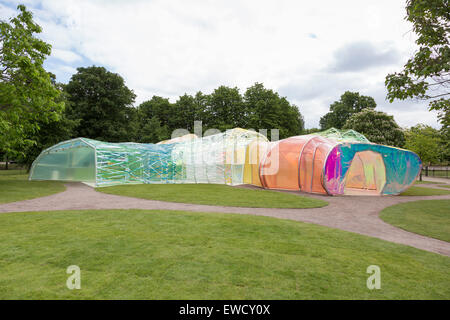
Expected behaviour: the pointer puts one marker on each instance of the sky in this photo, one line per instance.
(308, 51)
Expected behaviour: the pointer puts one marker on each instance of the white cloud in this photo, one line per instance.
(169, 47)
(65, 55)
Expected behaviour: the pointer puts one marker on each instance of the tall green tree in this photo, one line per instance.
(226, 109)
(156, 118)
(267, 110)
(341, 110)
(28, 98)
(103, 104)
(151, 131)
(50, 132)
(426, 75)
(426, 142)
(157, 107)
(377, 126)
(188, 109)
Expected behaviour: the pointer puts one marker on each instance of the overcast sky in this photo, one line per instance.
(309, 51)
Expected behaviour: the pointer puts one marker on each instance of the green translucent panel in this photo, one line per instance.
(342, 135)
(71, 163)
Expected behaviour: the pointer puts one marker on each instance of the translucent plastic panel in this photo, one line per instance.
(320, 155)
(247, 167)
(186, 137)
(122, 163)
(218, 158)
(280, 168)
(366, 174)
(257, 152)
(69, 164)
(401, 167)
(343, 135)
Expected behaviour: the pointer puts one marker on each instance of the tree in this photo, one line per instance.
(151, 131)
(426, 142)
(103, 104)
(187, 110)
(50, 132)
(445, 134)
(157, 107)
(377, 126)
(267, 110)
(226, 109)
(312, 130)
(156, 117)
(341, 110)
(28, 97)
(426, 75)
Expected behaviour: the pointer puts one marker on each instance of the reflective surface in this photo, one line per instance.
(331, 162)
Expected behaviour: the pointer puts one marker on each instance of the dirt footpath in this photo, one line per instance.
(355, 214)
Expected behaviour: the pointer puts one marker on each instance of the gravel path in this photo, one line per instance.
(355, 214)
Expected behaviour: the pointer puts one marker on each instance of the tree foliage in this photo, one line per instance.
(224, 108)
(102, 103)
(377, 126)
(154, 120)
(341, 110)
(426, 142)
(50, 132)
(28, 97)
(265, 109)
(426, 75)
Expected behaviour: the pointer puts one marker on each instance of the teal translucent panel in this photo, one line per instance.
(69, 163)
(122, 163)
(401, 166)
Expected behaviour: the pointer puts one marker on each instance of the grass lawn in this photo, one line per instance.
(136, 254)
(421, 191)
(215, 194)
(425, 182)
(444, 185)
(427, 217)
(14, 186)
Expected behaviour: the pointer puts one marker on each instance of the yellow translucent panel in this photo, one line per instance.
(366, 174)
(247, 166)
(257, 150)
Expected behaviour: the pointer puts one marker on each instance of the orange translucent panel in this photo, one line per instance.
(319, 160)
(280, 167)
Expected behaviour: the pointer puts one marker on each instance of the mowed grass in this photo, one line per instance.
(425, 182)
(14, 186)
(215, 194)
(135, 254)
(444, 185)
(427, 217)
(424, 191)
